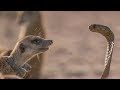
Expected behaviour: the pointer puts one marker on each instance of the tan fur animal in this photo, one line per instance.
(27, 47)
(30, 23)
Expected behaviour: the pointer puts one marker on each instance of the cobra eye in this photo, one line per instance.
(36, 41)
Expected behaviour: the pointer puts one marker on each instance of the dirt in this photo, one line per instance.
(77, 53)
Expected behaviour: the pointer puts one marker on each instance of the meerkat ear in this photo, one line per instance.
(22, 48)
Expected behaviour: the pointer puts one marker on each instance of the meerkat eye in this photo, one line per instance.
(36, 41)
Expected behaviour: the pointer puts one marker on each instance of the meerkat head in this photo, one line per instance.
(31, 45)
(26, 17)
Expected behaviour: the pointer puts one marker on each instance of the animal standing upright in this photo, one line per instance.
(30, 23)
(109, 35)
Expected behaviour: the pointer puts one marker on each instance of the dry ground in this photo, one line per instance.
(76, 52)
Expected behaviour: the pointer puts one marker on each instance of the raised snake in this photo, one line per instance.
(109, 35)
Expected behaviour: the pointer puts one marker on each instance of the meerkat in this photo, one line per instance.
(30, 23)
(16, 62)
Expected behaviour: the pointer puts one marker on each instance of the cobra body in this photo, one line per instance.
(109, 35)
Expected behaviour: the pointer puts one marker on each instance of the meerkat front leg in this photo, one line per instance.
(21, 72)
(27, 67)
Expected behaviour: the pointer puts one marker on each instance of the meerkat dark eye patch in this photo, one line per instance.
(36, 41)
(22, 48)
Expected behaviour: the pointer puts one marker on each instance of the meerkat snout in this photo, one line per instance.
(47, 43)
(50, 41)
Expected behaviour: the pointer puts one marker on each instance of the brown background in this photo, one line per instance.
(76, 52)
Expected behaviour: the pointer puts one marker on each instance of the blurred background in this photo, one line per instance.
(77, 53)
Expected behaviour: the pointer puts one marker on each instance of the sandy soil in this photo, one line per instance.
(76, 52)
